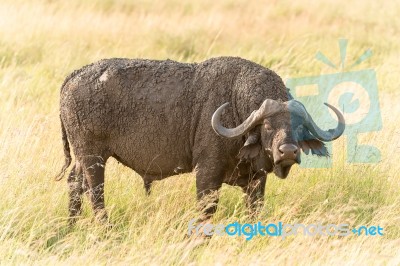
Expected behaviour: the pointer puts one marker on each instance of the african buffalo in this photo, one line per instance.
(160, 118)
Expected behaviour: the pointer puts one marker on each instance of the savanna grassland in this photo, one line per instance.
(41, 41)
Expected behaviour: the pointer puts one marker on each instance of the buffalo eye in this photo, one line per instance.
(299, 132)
(267, 125)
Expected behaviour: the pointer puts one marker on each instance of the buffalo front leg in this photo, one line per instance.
(208, 182)
(255, 191)
(75, 184)
(93, 167)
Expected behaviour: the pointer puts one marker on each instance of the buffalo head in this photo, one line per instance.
(279, 130)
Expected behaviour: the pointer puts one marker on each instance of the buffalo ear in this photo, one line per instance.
(316, 146)
(251, 147)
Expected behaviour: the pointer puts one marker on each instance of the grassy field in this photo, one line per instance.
(41, 41)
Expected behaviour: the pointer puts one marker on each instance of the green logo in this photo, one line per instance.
(355, 93)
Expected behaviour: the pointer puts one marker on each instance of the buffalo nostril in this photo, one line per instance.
(288, 149)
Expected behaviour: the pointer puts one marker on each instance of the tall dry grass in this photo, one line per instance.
(42, 41)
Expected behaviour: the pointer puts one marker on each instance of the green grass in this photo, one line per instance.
(43, 41)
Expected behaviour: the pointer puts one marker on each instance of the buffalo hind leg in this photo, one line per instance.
(93, 167)
(75, 184)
